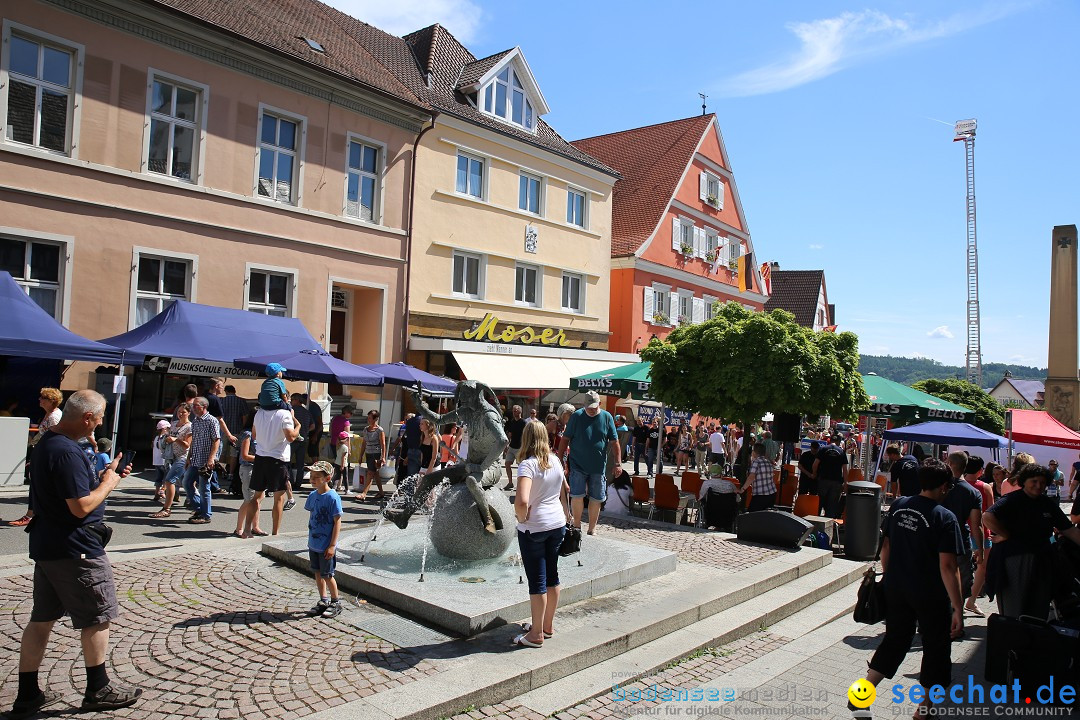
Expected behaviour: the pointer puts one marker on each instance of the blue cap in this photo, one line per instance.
(273, 369)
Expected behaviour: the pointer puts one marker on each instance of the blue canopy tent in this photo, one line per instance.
(317, 365)
(28, 331)
(401, 374)
(947, 433)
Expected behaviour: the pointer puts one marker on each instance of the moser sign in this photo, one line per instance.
(206, 368)
(488, 331)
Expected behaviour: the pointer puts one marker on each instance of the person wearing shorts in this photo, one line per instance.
(72, 573)
(590, 435)
(324, 527)
(274, 432)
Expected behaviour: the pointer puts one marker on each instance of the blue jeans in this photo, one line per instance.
(593, 484)
(412, 461)
(174, 473)
(648, 451)
(198, 489)
(540, 556)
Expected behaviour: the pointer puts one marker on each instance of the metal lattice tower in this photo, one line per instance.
(965, 132)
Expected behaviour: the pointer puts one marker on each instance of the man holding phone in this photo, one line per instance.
(72, 573)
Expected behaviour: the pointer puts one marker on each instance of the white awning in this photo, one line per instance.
(526, 372)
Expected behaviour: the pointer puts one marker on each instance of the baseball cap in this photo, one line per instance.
(322, 466)
(344, 435)
(162, 424)
(273, 369)
(594, 399)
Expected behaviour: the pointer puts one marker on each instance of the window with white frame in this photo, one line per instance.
(573, 292)
(470, 175)
(712, 243)
(657, 304)
(712, 190)
(279, 157)
(686, 307)
(468, 275)
(710, 307)
(175, 110)
(270, 293)
(40, 91)
(527, 285)
(575, 207)
(505, 97)
(734, 248)
(686, 234)
(529, 193)
(37, 267)
(363, 181)
(159, 281)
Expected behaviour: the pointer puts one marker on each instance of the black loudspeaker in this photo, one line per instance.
(786, 426)
(773, 527)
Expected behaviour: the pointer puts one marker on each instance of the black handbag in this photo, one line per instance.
(870, 603)
(571, 541)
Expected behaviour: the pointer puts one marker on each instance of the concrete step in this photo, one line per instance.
(487, 669)
(790, 610)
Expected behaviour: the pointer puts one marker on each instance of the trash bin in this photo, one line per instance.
(862, 523)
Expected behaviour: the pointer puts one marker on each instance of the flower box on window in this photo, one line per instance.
(733, 265)
(710, 257)
(712, 200)
(684, 320)
(686, 249)
(660, 318)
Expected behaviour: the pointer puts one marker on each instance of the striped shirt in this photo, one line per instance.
(204, 431)
(761, 476)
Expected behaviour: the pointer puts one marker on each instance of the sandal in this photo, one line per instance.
(259, 533)
(21, 522)
(528, 626)
(162, 513)
(523, 640)
(199, 520)
(973, 609)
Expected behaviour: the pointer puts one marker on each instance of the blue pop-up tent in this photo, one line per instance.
(205, 332)
(947, 433)
(28, 331)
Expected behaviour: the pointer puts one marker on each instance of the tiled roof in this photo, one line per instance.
(797, 292)
(651, 161)
(1030, 390)
(280, 25)
(472, 72)
(441, 55)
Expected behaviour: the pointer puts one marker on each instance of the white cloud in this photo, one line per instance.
(832, 44)
(815, 246)
(461, 17)
(941, 331)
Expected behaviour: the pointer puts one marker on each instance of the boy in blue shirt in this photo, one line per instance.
(324, 525)
(273, 395)
(102, 457)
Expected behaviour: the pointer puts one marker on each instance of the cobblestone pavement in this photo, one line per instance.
(709, 665)
(215, 635)
(704, 548)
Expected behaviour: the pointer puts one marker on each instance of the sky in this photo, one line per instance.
(837, 118)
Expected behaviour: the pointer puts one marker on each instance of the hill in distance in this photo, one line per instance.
(908, 370)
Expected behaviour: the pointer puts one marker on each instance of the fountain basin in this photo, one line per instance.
(466, 597)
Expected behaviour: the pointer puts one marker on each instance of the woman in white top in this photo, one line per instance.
(541, 513)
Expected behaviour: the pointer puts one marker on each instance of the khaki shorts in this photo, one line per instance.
(82, 587)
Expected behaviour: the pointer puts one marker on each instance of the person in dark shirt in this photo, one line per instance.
(72, 573)
(1021, 571)
(829, 471)
(513, 427)
(965, 502)
(641, 447)
(412, 438)
(807, 480)
(918, 559)
(903, 472)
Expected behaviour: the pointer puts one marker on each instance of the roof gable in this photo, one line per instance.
(796, 291)
(491, 66)
(652, 161)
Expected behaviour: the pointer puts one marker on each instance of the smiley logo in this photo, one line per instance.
(862, 693)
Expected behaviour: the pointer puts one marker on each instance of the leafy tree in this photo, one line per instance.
(742, 364)
(989, 414)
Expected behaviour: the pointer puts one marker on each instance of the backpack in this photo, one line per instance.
(822, 541)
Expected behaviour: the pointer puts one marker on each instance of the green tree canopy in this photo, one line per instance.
(989, 414)
(742, 364)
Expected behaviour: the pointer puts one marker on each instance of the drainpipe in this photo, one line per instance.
(409, 237)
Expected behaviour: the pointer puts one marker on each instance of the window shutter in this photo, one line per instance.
(720, 195)
(699, 310)
(699, 241)
(648, 304)
(703, 185)
(676, 233)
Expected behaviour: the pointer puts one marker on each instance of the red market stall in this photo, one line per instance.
(1040, 434)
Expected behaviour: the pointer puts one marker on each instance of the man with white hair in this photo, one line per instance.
(72, 573)
(590, 434)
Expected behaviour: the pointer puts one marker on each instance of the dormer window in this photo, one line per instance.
(504, 96)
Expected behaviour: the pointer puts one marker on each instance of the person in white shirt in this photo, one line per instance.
(716, 447)
(274, 432)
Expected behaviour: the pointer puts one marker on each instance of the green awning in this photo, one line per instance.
(625, 381)
(907, 405)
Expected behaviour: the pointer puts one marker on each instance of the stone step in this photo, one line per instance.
(804, 605)
(487, 669)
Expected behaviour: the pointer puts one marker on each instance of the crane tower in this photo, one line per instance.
(965, 132)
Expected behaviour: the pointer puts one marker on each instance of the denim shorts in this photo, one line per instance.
(597, 486)
(320, 565)
(540, 557)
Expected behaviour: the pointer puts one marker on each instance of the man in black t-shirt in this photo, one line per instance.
(829, 471)
(807, 480)
(965, 502)
(641, 447)
(918, 558)
(514, 427)
(72, 573)
(903, 472)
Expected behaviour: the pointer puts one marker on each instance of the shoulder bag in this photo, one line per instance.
(571, 541)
